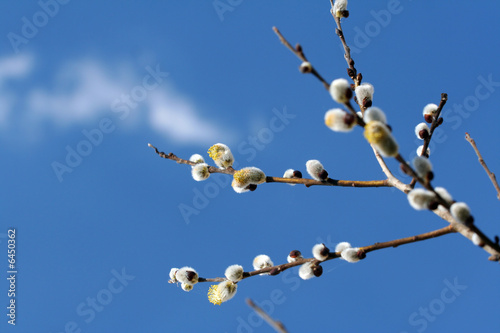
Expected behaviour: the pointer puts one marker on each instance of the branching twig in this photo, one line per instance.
(304, 181)
(274, 270)
(276, 325)
(297, 50)
(483, 163)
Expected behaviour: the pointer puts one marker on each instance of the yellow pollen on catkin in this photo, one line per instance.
(215, 151)
(214, 295)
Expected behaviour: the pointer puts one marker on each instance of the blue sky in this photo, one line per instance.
(101, 80)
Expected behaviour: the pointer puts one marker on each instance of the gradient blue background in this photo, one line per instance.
(119, 208)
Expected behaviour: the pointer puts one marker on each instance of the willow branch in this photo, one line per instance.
(351, 71)
(483, 163)
(276, 325)
(304, 181)
(297, 50)
(275, 270)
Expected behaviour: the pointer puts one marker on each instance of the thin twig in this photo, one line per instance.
(352, 72)
(483, 163)
(276, 325)
(304, 181)
(274, 270)
(300, 54)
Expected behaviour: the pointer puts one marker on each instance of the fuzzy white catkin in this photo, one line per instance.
(430, 109)
(262, 261)
(422, 165)
(339, 121)
(306, 271)
(420, 149)
(200, 172)
(364, 91)
(342, 246)
(421, 127)
(320, 251)
(420, 198)
(339, 6)
(187, 275)
(340, 90)
(460, 212)
(314, 169)
(234, 273)
(374, 113)
(196, 158)
(221, 154)
(247, 176)
(350, 254)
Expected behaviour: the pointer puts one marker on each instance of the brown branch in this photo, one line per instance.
(351, 71)
(483, 163)
(276, 325)
(275, 270)
(330, 182)
(297, 50)
(304, 181)
(397, 242)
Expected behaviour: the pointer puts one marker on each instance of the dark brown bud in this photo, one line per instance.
(295, 254)
(317, 271)
(423, 134)
(252, 187)
(345, 13)
(190, 275)
(367, 103)
(440, 120)
(433, 205)
(361, 254)
(274, 271)
(324, 251)
(297, 174)
(360, 77)
(348, 93)
(470, 220)
(298, 48)
(389, 127)
(350, 72)
(428, 118)
(323, 175)
(430, 176)
(351, 62)
(349, 119)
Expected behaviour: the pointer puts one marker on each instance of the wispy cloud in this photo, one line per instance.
(83, 91)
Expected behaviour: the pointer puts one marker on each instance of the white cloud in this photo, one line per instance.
(84, 90)
(175, 117)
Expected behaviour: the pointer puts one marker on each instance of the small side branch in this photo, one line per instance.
(297, 50)
(483, 163)
(276, 325)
